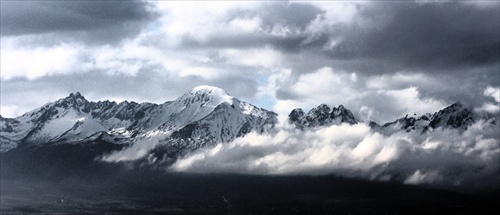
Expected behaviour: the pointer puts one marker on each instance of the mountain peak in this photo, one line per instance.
(75, 95)
(74, 99)
(206, 94)
(206, 89)
(456, 105)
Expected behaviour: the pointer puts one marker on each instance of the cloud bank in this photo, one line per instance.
(443, 158)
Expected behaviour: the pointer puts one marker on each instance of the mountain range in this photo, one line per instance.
(205, 115)
(202, 117)
(455, 116)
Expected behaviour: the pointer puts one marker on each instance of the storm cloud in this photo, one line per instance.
(427, 37)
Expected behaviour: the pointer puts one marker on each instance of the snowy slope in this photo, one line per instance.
(210, 115)
(204, 116)
(52, 121)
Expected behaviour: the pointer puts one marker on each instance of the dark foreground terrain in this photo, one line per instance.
(233, 194)
(68, 180)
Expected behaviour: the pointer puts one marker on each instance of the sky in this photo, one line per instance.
(382, 60)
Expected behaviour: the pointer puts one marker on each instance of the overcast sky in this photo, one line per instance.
(382, 60)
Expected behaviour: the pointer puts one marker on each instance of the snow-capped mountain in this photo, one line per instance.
(68, 120)
(205, 115)
(321, 115)
(455, 116)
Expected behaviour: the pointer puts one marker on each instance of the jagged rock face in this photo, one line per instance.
(296, 114)
(374, 125)
(409, 123)
(455, 116)
(206, 115)
(320, 116)
(343, 114)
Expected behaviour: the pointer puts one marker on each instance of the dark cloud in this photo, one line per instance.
(427, 37)
(294, 17)
(408, 36)
(91, 21)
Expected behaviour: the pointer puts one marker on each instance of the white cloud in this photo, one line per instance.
(408, 100)
(247, 25)
(442, 158)
(138, 150)
(392, 81)
(38, 62)
(201, 19)
(493, 92)
(11, 111)
(423, 178)
(491, 107)
(338, 12)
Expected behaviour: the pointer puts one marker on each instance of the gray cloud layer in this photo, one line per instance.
(94, 22)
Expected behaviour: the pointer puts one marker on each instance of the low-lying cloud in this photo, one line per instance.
(444, 157)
